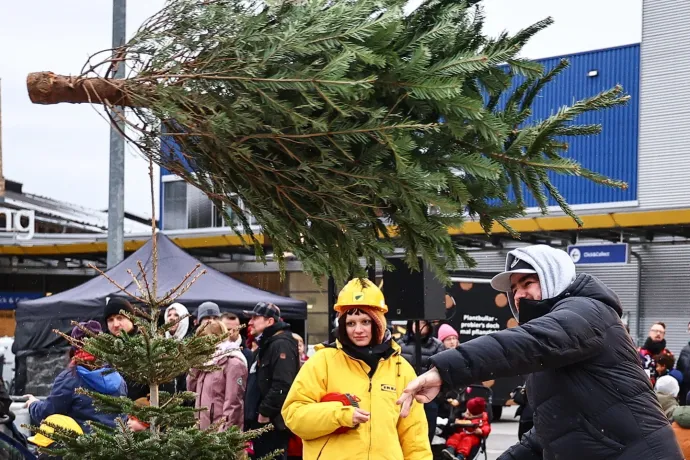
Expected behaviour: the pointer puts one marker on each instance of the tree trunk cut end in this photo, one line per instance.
(48, 88)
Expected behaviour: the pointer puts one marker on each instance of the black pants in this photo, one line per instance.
(431, 411)
(270, 441)
(523, 427)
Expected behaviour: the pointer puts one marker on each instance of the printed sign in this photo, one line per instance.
(599, 254)
(19, 221)
(9, 300)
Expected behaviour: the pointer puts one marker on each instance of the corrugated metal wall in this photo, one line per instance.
(613, 152)
(664, 158)
(666, 291)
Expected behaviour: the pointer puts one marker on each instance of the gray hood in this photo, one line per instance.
(554, 267)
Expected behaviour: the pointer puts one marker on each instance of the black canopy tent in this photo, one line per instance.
(36, 319)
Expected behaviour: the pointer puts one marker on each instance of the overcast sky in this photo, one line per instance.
(62, 151)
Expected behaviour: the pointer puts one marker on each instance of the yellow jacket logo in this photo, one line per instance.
(390, 388)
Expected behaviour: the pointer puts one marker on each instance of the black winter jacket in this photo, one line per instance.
(590, 396)
(683, 365)
(430, 347)
(277, 364)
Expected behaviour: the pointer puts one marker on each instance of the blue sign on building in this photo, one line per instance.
(599, 254)
(9, 300)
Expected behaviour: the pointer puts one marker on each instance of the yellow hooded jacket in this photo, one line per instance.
(386, 436)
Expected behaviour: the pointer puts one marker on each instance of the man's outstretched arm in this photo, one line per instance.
(573, 332)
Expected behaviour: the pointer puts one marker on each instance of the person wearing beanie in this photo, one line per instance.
(667, 389)
(582, 370)
(448, 336)
(83, 372)
(207, 311)
(470, 431)
(342, 403)
(118, 323)
(115, 320)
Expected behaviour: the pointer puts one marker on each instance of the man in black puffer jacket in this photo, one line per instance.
(590, 396)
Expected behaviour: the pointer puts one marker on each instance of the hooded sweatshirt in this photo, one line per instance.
(182, 326)
(555, 269)
(64, 400)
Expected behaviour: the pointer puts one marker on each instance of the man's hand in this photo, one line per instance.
(424, 389)
(263, 419)
(360, 416)
(31, 399)
(478, 432)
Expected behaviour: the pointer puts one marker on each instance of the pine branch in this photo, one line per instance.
(331, 120)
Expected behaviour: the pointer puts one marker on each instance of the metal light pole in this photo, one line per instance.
(116, 191)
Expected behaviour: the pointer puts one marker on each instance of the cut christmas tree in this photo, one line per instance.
(347, 128)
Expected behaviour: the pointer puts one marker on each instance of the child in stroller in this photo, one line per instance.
(470, 431)
(453, 407)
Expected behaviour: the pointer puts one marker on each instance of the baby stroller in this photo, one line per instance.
(446, 426)
(13, 445)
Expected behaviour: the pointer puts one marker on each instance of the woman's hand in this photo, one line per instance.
(360, 416)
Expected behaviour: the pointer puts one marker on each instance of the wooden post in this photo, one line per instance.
(2, 176)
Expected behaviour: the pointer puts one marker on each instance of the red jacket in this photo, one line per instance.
(482, 423)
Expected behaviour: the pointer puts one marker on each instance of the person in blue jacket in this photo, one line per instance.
(63, 398)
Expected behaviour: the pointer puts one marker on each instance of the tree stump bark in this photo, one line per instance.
(48, 88)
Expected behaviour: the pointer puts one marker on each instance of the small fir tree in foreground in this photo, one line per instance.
(149, 358)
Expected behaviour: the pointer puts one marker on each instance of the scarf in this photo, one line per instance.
(654, 348)
(225, 349)
(182, 326)
(371, 355)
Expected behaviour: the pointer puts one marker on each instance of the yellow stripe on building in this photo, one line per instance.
(616, 220)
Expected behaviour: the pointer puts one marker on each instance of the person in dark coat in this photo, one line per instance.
(683, 365)
(117, 323)
(81, 373)
(590, 395)
(654, 347)
(430, 347)
(275, 367)
(524, 411)
(232, 323)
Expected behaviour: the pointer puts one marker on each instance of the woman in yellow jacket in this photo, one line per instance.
(343, 401)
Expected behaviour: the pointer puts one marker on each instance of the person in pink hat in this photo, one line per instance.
(448, 336)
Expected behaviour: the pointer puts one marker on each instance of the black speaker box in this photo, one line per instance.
(413, 295)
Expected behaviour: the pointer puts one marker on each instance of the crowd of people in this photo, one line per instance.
(589, 393)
